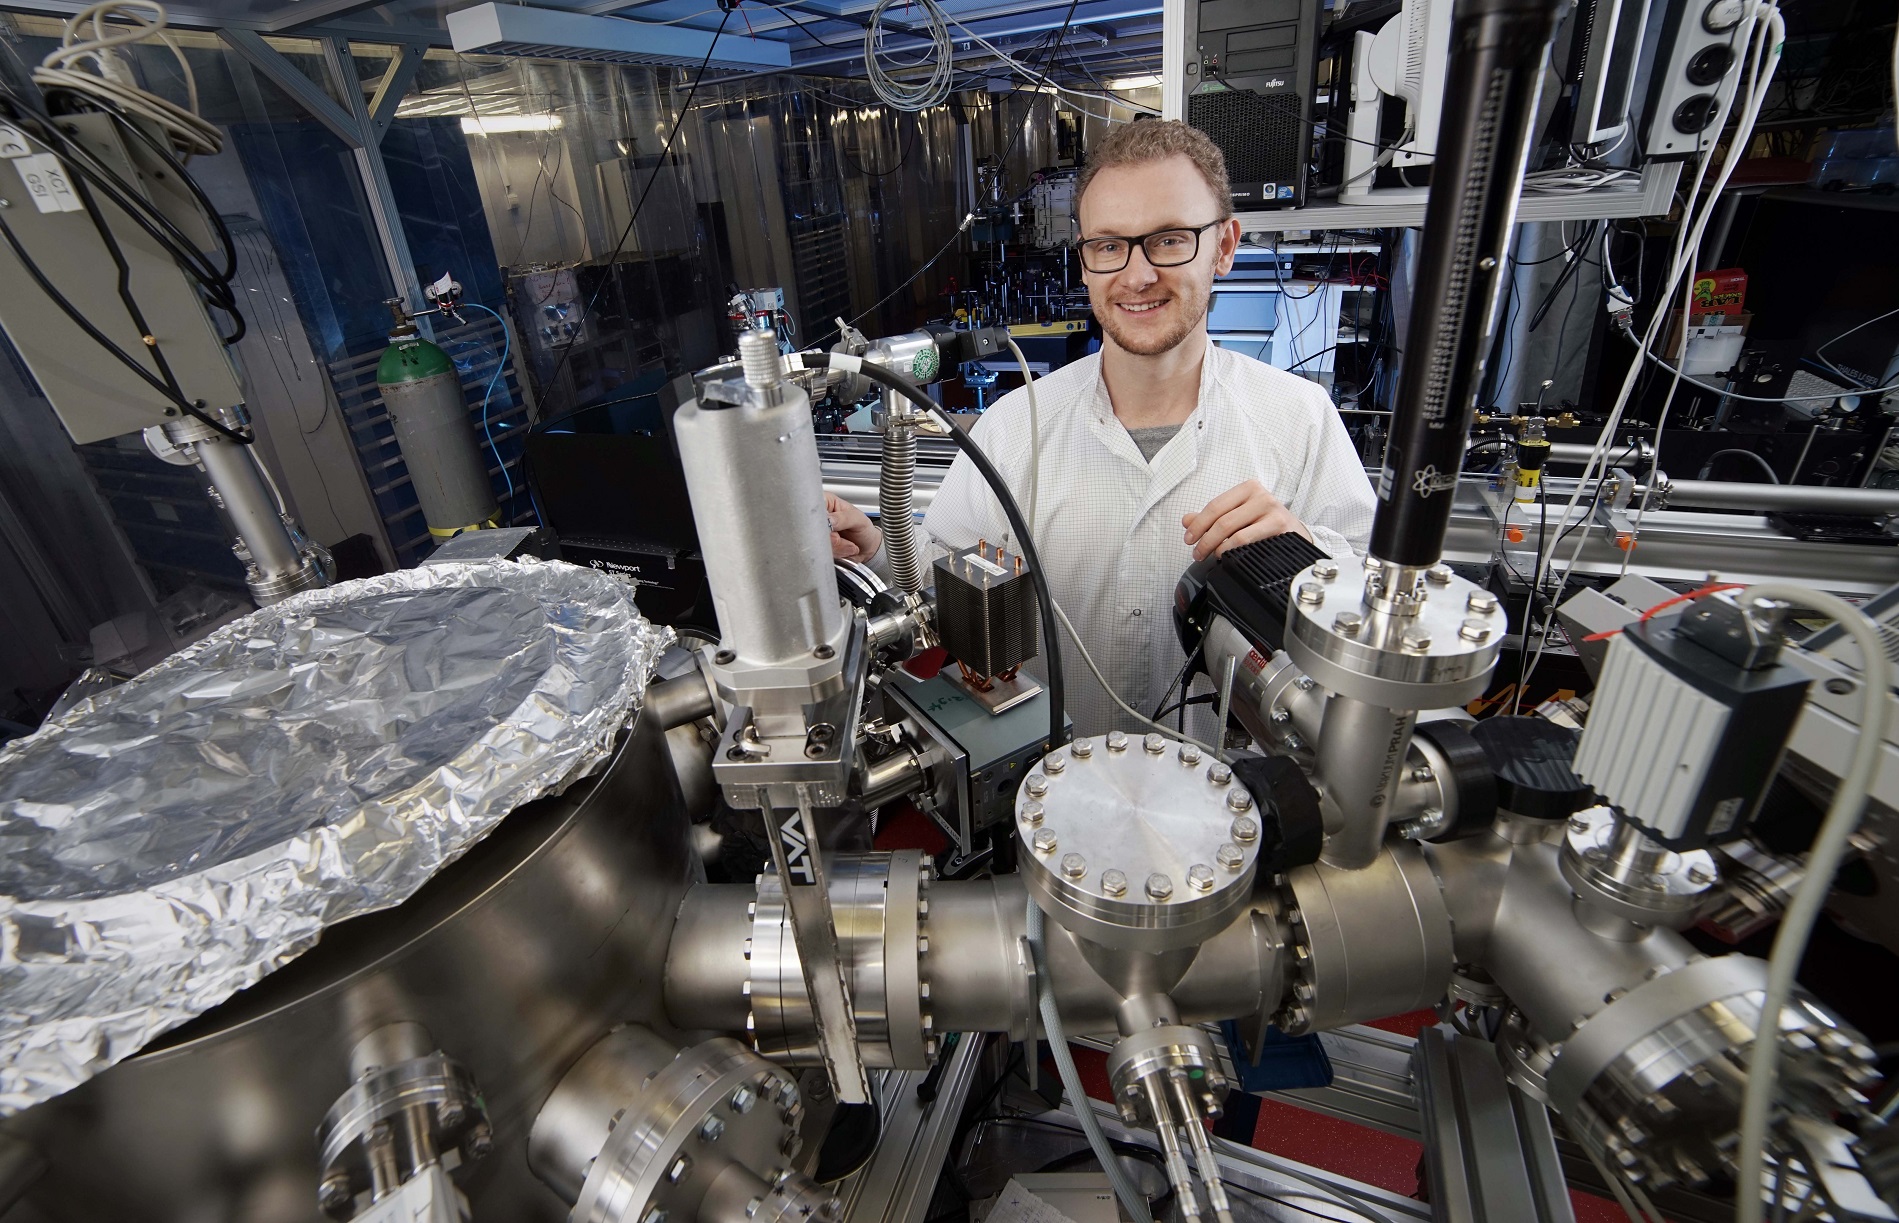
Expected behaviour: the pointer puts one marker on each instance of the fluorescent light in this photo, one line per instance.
(1135, 82)
(540, 33)
(494, 125)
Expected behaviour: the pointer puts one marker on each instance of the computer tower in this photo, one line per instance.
(1248, 84)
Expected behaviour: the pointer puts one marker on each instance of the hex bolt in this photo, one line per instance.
(1239, 799)
(1424, 772)
(1281, 716)
(678, 1171)
(711, 1129)
(1114, 883)
(742, 1100)
(1245, 830)
(1220, 773)
(1200, 877)
(1032, 814)
(1037, 785)
(1304, 991)
(1305, 683)
(1417, 640)
(1438, 575)
(923, 944)
(1579, 824)
(1349, 623)
(480, 1141)
(1074, 865)
(1311, 593)
(752, 1207)
(334, 1193)
(1117, 741)
(1055, 763)
(1474, 630)
(452, 1114)
(1159, 886)
(1700, 874)
(1325, 570)
(1189, 754)
(1154, 744)
(1230, 856)
(1044, 841)
(1082, 749)
(1482, 602)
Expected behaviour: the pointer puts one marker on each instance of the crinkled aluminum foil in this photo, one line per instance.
(169, 842)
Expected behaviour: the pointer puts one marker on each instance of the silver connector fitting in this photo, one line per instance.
(760, 359)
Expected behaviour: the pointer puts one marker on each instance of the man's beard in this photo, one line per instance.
(1190, 316)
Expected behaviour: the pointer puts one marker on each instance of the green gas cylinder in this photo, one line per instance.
(423, 395)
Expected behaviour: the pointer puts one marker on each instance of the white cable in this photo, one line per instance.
(1820, 352)
(1765, 38)
(1823, 860)
(188, 132)
(1131, 1199)
(935, 87)
(1035, 481)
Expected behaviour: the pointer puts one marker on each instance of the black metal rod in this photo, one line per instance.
(1498, 48)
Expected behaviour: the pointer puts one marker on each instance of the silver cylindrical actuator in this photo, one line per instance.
(751, 462)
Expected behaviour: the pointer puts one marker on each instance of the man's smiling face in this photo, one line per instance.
(1147, 310)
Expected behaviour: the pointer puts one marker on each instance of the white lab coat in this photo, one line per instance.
(1107, 522)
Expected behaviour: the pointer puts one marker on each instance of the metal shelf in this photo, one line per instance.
(1652, 196)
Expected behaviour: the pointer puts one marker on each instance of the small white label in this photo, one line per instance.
(45, 179)
(994, 569)
(13, 142)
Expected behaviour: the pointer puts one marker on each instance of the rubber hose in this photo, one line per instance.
(1131, 1199)
(896, 507)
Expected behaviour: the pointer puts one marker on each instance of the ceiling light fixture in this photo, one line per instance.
(495, 125)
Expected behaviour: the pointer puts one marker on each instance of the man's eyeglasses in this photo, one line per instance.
(1164, 248)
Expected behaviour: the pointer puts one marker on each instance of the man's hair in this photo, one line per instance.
(1138, 143)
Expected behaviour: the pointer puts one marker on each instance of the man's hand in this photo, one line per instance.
(853, 536)
(1239, 515)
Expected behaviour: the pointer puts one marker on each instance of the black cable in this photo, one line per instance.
(664, 155)
(902, 158)
(943, 250)
(1186, 669)
(105, 342)
(1051, 639)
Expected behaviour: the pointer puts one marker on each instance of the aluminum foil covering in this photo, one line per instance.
(169, 842)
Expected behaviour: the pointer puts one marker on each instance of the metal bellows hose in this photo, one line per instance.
(896, 486)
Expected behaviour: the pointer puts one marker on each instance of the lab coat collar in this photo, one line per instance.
(1181, 455)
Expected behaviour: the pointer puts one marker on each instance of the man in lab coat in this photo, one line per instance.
(1159, 450)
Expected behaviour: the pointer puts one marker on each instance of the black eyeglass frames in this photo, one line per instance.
(1164, 248)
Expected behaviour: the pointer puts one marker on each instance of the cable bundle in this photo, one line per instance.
(933, 89)
(95, 180)
(112, 86)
